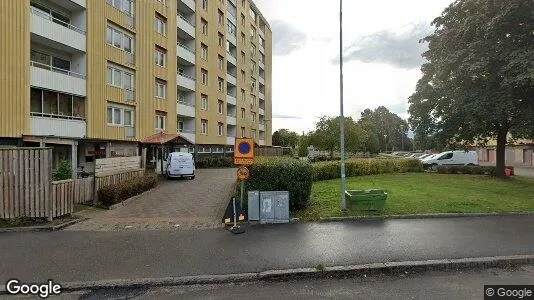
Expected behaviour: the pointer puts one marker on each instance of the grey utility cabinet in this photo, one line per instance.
(268, 206)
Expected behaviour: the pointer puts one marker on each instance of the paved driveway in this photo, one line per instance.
(173, 204)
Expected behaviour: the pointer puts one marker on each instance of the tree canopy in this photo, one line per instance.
(285, 138)
(477, 82)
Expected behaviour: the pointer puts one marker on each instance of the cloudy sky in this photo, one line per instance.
(382, 56)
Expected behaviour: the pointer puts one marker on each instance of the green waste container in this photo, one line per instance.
(373, 199)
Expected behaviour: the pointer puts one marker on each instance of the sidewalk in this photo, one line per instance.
(69, 256)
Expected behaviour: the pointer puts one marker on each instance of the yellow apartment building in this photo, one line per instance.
(93, 78)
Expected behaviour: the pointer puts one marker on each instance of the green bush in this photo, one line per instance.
(63, 171)
(214, 162)
(471, 170)
(364, 166)
(119, 192)
(282, 174)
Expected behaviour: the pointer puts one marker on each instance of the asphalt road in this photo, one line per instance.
(67, 256)
(429, 285)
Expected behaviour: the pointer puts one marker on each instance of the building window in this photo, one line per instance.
(253, 66)
(252, 32)
(180, 126)
(253, 117)
(120, 116)
(243, 77)
(243, 59)
(204, 126)
(119, 77)
(221, 17)
(243, 113)
(253, 133)
(160, 56)
(243, 22)
(232, 30)
(161, 89)
(220, 62)
(47, 103)
(221, 39)
(161, 24)
(220, 84)
(243, 132)
(220, 105)
(126, 6)
(205, 5)
(204, 24)
(243, 39)
(220, 128)
(161, 119)
(118, 38)
(204, 52)
(204, 102)
(253, 50)
(243, 93)
(252, 14)
(253, 84)
(253, 99)
(204, 76)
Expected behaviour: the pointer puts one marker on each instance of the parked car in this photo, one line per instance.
(180, 164)
(469, 158)
(425, 155)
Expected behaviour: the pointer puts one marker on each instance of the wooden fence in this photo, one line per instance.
(27, 189)
(25, 183)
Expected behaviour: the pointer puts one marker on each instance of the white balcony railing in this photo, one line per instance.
(261, 111)
(231, 99)
(230, 140)
(231, 120)
(60, 126)
(186, 53)
(262, 142)
(186, 25)
(44, 25)
(186, 109)
(189, 3)
(188, 134)
(231, 79)
(186, 81)
(56, 79)
(262, 95)
(231, 58)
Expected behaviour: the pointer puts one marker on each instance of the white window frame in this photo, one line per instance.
(160, 55)
(220, 84)
(204, 52)
(161, 86)
(161, 119)
(160, 26)
(220, 17)
(204, 102)
(253, 117)
(243, 133)
(220, 106)
(220, 62)
(253, 133)
(205, 5)
(220, 129)
(123, 75)
(204, 127)
(204, 24)
(114, 31)
(204, 77)
(122, 113)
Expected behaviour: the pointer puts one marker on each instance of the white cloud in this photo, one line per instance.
(306, 84)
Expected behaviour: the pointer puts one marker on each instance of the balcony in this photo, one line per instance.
(232, 39)
(52, 29)
(261, 48)
(185, 53)
(189, 3)
(188, 134)
(261, 64)
(262, 143)
(51, 78)
(81, 3)
(185, 109)
(262, 95)
(261, 111)
(231, 79)
(230, 140)
(186, 82)
(262, 127)
(231, 59)
(51, 125)
(231, 120)
(186, 26)
(262, 80)
(231, 99)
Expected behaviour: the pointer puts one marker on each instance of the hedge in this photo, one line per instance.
(472, 170)
(365, 166)
(214, 162)
(282, 174)
(119, 192)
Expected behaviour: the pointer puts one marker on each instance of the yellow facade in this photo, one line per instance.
(108, 105)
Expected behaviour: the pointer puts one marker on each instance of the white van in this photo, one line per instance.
(462, 158)
(180, 164)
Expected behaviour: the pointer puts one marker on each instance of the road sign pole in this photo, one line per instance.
(242, 192)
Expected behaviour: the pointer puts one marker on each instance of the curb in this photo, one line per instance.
(414, 216)
(42, 228)
(300, 273)
(129, 200)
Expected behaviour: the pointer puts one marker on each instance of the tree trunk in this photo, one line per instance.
(501, 153)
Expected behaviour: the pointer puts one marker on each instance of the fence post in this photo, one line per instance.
(48, 183)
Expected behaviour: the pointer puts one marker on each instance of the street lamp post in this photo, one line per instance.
(342, 120)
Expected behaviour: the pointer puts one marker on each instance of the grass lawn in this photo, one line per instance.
(419, 193)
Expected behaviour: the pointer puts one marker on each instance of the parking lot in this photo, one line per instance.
(173, 204)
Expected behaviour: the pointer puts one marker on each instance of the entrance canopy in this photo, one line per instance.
(164, 138)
